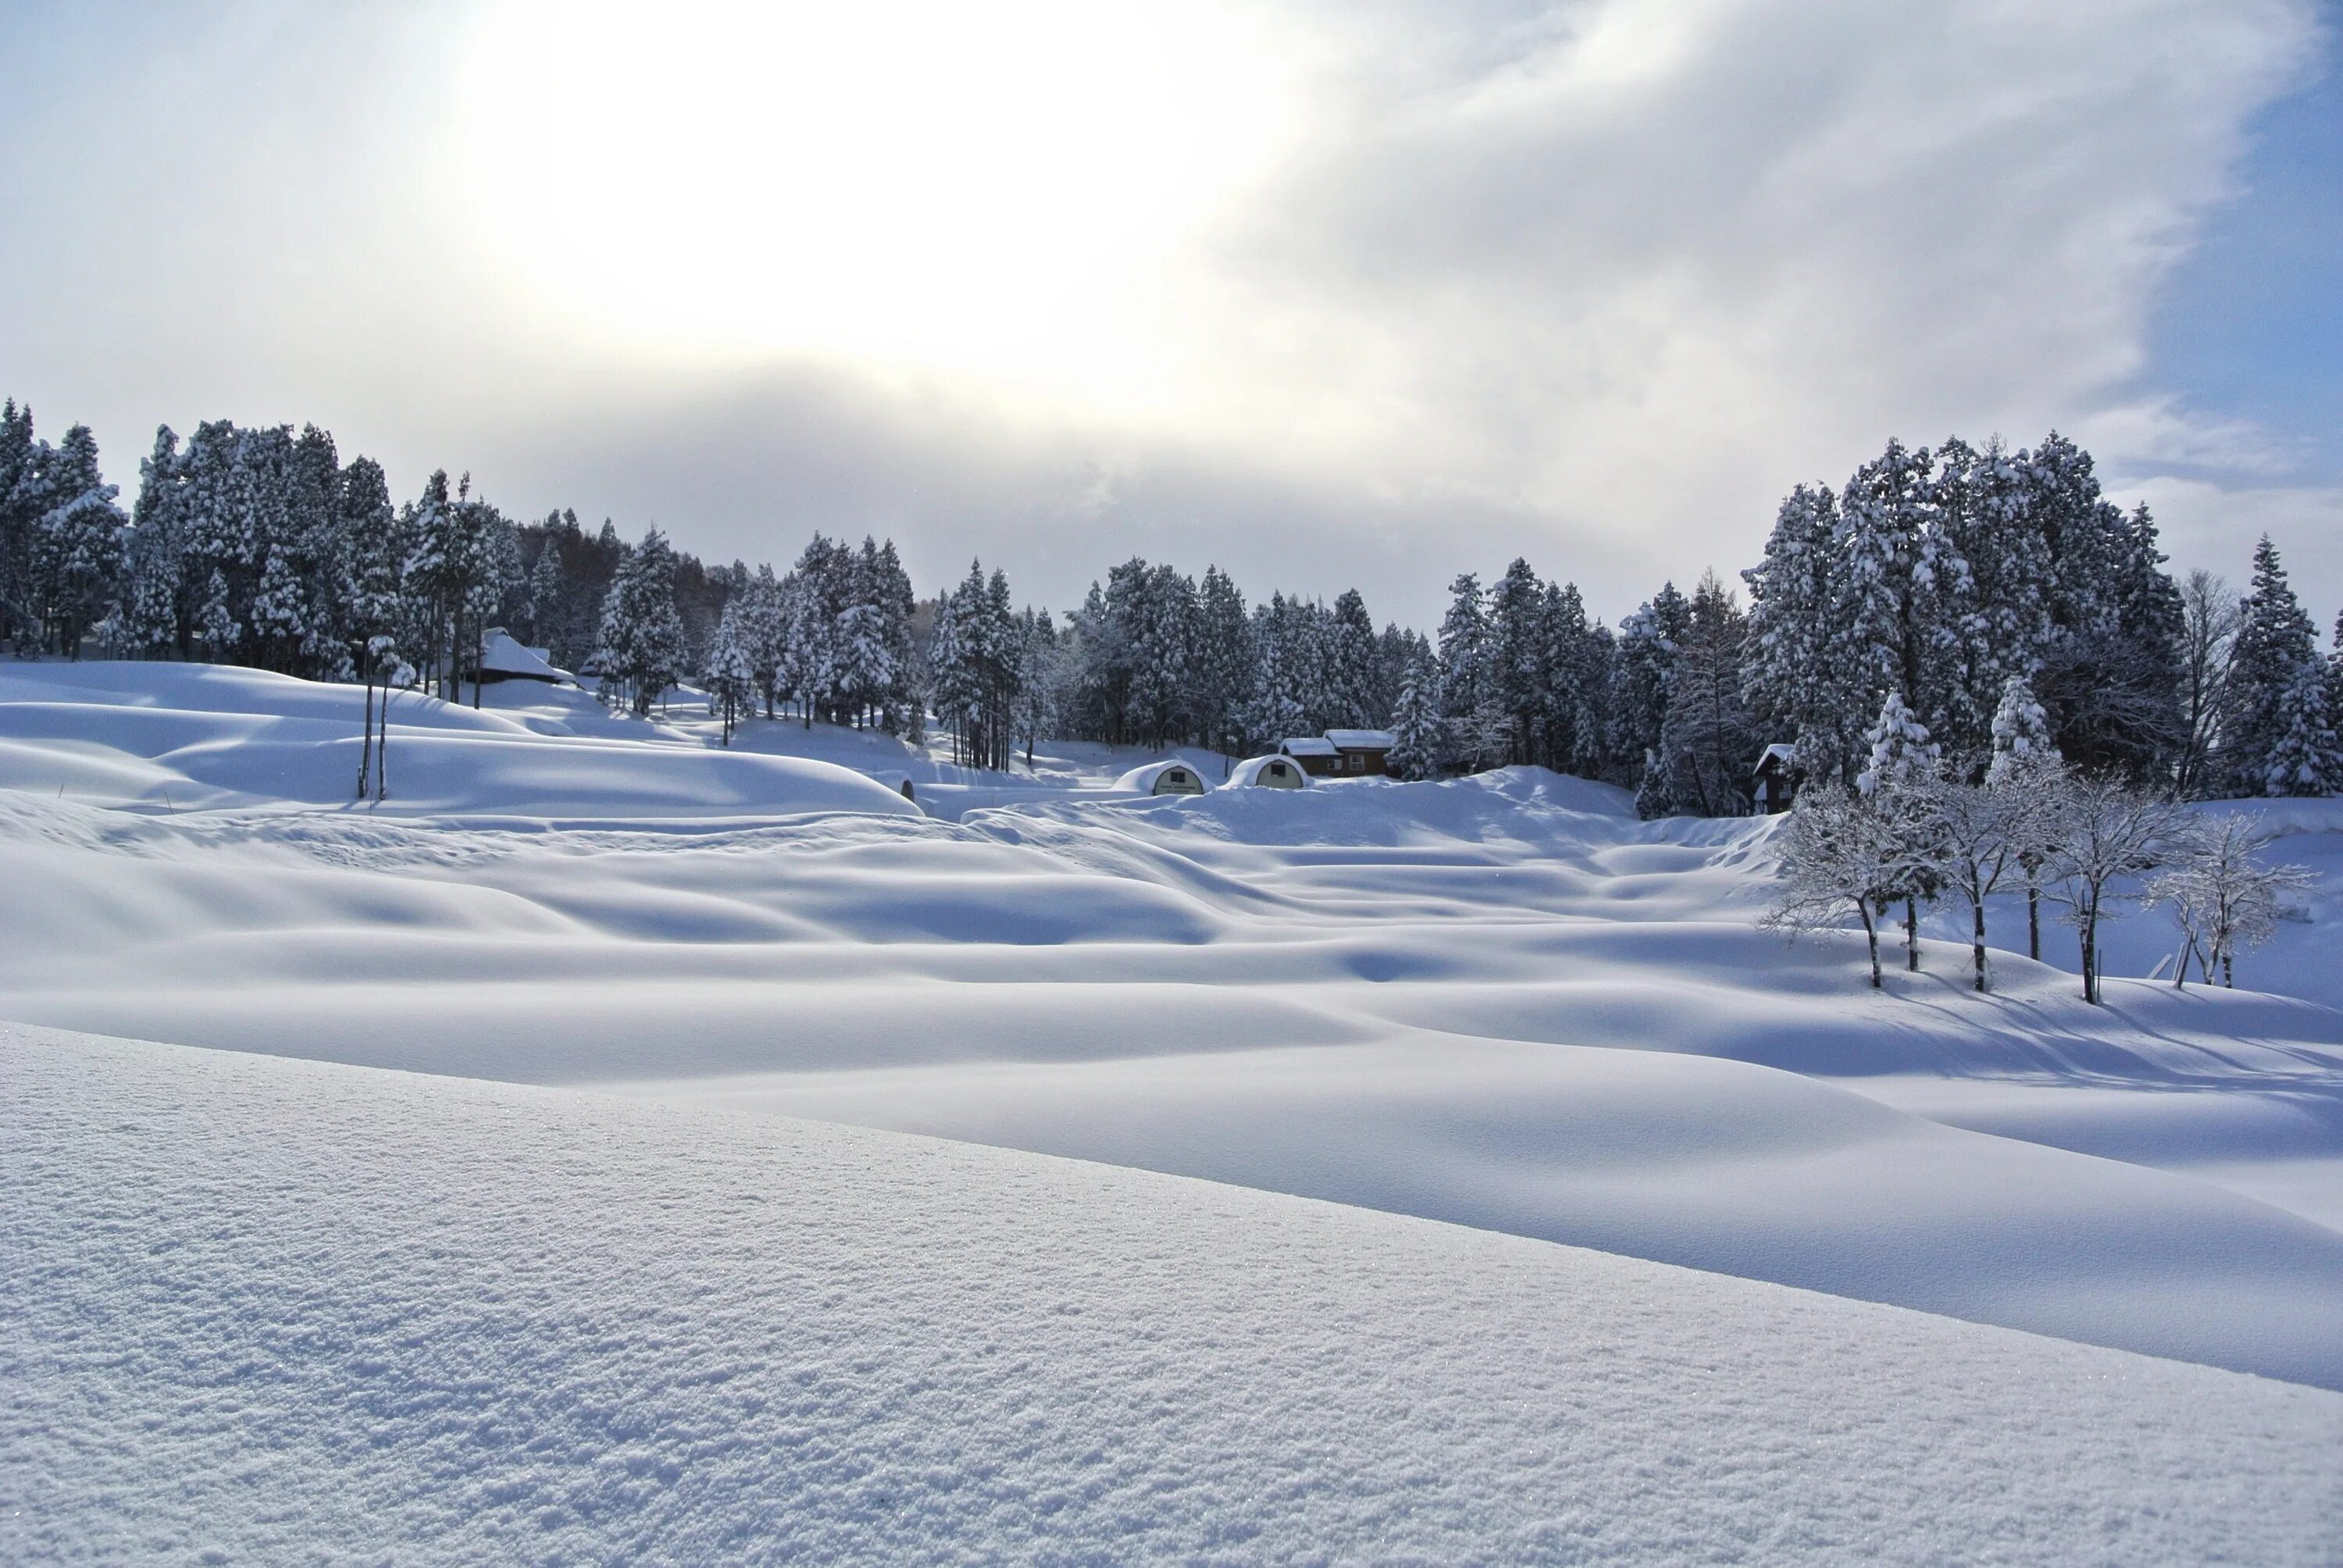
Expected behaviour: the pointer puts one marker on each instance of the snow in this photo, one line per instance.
(269, 1309)
(1500, 1002)
(501, 655)
(1360, 740)
(1306, 746)
(181, 737)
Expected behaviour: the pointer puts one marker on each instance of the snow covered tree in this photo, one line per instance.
(731, 675)
(1518, 649)
(1464, 652)
(1418, 735)
(2308, 759)
(2107, 831)
(2026, 764)
(1790, 680)
(1223, 675)
(1708, 740)
(156, 602)
(2275, 639)
(1354, 675)
(1641, 678)
(1903, 772)
(76, 544)
(642, 651)
(1837, 858)
(2224, 894)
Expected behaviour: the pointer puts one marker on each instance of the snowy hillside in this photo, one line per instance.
(1502, 1002)
(1499, 1001)
(263, 1309)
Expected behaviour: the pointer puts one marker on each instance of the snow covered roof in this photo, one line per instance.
(1307, 746)
(501, 654)
(1361, 739)
(1147, 775)
(1788, 753)
(1249, 771)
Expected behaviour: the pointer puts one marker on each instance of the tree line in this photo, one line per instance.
(1934, 576)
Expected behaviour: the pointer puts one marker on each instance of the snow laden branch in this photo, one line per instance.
(2224, 895)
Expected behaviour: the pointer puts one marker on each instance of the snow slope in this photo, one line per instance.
(272, 1309)
(185, 737)
(1502, 1001)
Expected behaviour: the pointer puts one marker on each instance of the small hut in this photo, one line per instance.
(1163, 779)
(1315, 752)
(1774, 784)
(1362, 751)
(1267, 773)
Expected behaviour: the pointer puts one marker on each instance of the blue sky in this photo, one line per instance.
(1332, 294)
(2250, 324)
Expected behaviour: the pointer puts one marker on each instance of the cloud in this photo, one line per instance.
(1592, 282)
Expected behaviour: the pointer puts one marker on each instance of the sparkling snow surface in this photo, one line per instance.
(270, 1310)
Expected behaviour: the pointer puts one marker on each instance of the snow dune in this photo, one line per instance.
(192, 737)
(267, 1309)
(1500, 1001)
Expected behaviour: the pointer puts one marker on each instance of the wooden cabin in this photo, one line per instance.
(1774, 785)
(1362, 753)
(1315, 752)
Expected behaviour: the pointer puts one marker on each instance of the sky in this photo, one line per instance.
(1332, 294)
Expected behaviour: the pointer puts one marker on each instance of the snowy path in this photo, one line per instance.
(260, 1308)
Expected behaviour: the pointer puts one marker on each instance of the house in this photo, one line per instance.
(1267, 773)
(1362, 751)
(1774, 783)
(1315, 752)
(502, 659)
(1162, 779)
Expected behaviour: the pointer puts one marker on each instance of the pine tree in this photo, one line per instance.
(1708, 740)
(1418, 736)
(1519, 647)
(2307, 759)
(1224, 670)
(731, 676)
(1791, 682)
(643, 649)
(1465, 655)
(2274, 640)
(77, 544)
(1352, 674)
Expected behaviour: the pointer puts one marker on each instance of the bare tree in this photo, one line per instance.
(1838, 859)
(2210, 614)
(2223, 894)
(1977, 834)
(2106, 830)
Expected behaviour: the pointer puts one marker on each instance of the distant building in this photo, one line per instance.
(1774, 785)
(1315, 752)
(1362, 751)
(502, 659)
(1267, 773)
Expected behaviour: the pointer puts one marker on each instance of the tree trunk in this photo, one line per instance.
(1912, 936)
(1977, 941)
(2091, 952)
(2228, 971)
(2033, 923)
(1871, 935)
(366, 748)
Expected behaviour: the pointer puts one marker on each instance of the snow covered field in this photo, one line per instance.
(1500, 1001)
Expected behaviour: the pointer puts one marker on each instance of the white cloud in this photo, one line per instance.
(1594, 282)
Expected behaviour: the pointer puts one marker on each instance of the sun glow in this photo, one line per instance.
(1003, 192)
